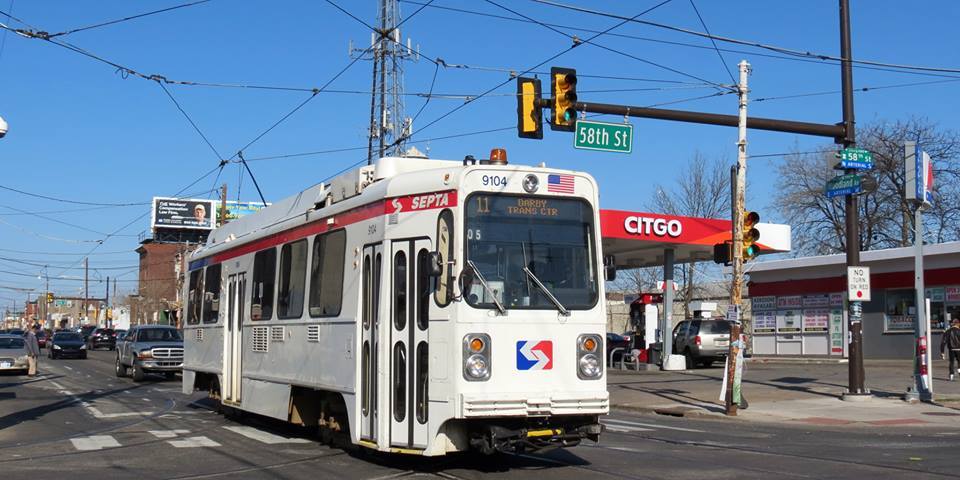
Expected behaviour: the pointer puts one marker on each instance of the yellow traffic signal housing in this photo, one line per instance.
(750, 235)
(723, 252)
(563, 88)
(529, 111)
(49, 297)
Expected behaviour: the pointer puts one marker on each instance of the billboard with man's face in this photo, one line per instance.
(183, 213)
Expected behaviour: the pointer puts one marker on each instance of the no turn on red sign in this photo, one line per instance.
(858, 284)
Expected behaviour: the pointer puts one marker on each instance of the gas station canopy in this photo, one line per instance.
(638, 239)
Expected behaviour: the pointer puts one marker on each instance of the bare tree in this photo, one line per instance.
(886, 219)
(702, 190)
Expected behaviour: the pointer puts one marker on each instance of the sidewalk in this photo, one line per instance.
(795, 393)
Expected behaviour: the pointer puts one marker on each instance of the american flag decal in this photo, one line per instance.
(560, 183)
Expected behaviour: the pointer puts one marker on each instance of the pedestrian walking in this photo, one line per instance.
(950, 341)
(33, 350)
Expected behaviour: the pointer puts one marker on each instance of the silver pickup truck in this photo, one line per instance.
(150, 349)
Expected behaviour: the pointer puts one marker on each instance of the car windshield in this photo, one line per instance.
(68, 337)
(158, 335)
(11, 343)
(716, 327)
(553, 238)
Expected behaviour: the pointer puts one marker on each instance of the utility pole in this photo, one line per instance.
(86, 286)
(852, 213)
(223, 204)
(106, 301)
(737, 207)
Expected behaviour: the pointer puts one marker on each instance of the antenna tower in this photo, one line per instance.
(388, 126)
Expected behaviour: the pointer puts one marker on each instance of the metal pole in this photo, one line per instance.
(223, 204)
(855, 373)
(666, 323)
(86, 286)
(923, 384)
(739, 193)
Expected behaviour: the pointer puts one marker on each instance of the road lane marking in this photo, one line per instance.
(95, 442)
(68, 367)
(625, 429)
(651, 425)
(265, 437)
(193, 442)
(168, 433)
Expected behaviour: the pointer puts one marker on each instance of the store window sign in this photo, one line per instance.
(816, 301)
(934, 294)
(789, 302)
(788, 321)
(951, 294)
(898, 323)
(836, 331)
(764, 303)
(816, 320)
(764, 323)
(836, 299)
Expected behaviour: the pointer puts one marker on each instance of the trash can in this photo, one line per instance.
(655, 353)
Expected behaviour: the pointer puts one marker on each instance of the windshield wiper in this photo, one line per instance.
(483, 282)
(543, 288)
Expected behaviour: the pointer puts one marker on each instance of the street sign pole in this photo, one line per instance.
(855, 387)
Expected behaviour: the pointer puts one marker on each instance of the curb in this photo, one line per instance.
(678, 411)
(797, 361)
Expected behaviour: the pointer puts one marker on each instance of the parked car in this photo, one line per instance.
(102, 337)
(16, 331)
(86, 330)
(42, 339)
(67, 344)
(702, 341)
(615, 341)
(13, 354)
(150, 349)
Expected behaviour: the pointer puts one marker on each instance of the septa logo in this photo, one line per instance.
(534, 355)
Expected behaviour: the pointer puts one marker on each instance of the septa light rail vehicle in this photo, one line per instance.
(417, 306)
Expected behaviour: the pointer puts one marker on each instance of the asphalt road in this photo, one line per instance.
(79, 421)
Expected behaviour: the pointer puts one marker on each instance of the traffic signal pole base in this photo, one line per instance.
(856, 397)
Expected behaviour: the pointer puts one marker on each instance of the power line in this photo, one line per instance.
(749, 43)
(714, 42)
(124, 19)
(75, 202)
(192, 123)
(858, 89)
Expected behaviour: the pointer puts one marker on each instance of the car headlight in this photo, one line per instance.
(145, 354)
(56, 347)
(476, 357)
(83, 347)
(589, 364)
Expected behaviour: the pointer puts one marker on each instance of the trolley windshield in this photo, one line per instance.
(552, 238)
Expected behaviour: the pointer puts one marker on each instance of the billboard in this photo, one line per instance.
(237, 209)
(182, 213)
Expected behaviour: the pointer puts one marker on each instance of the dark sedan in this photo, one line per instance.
(67, 344)
(102, 337)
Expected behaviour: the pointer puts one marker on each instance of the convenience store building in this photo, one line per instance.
(799, 307)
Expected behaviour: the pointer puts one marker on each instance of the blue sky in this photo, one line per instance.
(81, 131)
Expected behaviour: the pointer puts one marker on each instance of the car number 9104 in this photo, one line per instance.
(494, 181)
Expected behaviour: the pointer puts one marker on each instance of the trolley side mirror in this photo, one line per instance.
(434, 264)
(609, 268)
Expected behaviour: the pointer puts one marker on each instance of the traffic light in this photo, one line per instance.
(750, 235)
(563, 88)
(722, 253)
(49, 297)
(529, 111)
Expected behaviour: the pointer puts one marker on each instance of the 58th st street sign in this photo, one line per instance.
(603, 136)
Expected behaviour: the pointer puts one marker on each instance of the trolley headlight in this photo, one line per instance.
(476, 357)
(589, 361)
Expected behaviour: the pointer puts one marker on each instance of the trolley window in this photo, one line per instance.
(516, 241)
(194, 297)
(443, 294)
(400, 290)
(423, 357)
(293, 276)
(264, 276)
(326, 274)
(399, 382)
(424, 287)
(211, 294)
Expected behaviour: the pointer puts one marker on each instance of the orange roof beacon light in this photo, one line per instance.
(498, 156)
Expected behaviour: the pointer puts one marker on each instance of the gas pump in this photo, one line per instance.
(644, 312)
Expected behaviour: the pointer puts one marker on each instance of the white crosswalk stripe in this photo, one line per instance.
(168, 433)
(193, 442)
(94, 442)
(624, 428)
(265, 437)
(623, 424)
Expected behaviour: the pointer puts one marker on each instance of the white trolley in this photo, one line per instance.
(419, 306)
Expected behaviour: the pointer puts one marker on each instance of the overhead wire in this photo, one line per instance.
(714, 42)
(125, 19)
